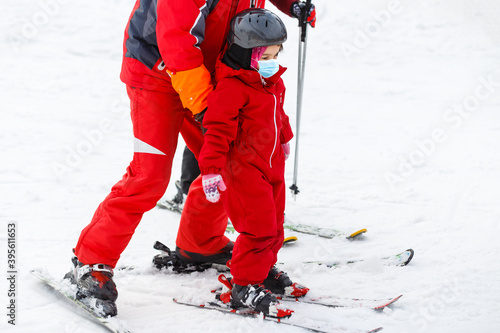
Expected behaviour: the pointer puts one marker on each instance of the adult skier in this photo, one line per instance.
(170, 48)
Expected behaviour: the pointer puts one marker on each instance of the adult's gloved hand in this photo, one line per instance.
(286, 149)
(298, 7)
(212, 183)
(199, 119)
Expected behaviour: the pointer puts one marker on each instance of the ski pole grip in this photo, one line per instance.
(303, 20)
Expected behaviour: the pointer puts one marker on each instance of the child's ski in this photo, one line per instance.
(328, 301)
(335, 302)
(400, 259)
(247, 312)
(68, 290)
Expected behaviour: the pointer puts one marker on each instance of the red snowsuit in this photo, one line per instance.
(246, 126)
(170, 48)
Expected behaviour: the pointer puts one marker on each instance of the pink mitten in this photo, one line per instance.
(212, 183)
(286, 149)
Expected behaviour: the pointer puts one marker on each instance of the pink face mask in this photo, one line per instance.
(257, 52)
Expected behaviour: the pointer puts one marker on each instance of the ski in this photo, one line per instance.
(247, 312)
(336, 302)
(169, 205)
(316, 231)
(290, 240)
(400, 259)
(68, 290)
(322, 232)
(327, 301)
(297, 227)
(287, 241)
(168, 258)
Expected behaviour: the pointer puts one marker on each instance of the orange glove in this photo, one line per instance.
(193, 87)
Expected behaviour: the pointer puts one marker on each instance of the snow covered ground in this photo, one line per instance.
(400, 134)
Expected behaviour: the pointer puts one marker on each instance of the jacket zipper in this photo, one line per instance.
(276, 133)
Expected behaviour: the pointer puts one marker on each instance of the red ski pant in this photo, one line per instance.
(157, 119)
(255, 203)
(202, 223)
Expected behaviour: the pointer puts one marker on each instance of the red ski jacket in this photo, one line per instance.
(178, 35)
(245, 115)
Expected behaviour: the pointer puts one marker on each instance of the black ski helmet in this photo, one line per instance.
(256, 27)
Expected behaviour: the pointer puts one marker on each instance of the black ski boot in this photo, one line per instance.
(258, 299)
(279, 283)
(221, 257)
(168, 258)
(95, 286)
(186, 262)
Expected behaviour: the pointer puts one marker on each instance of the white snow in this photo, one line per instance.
(383, 146)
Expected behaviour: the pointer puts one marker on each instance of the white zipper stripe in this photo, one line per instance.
(276, 133)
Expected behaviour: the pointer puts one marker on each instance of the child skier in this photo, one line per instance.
(244, 152)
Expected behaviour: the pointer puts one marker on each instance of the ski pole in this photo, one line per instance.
(300, 88)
